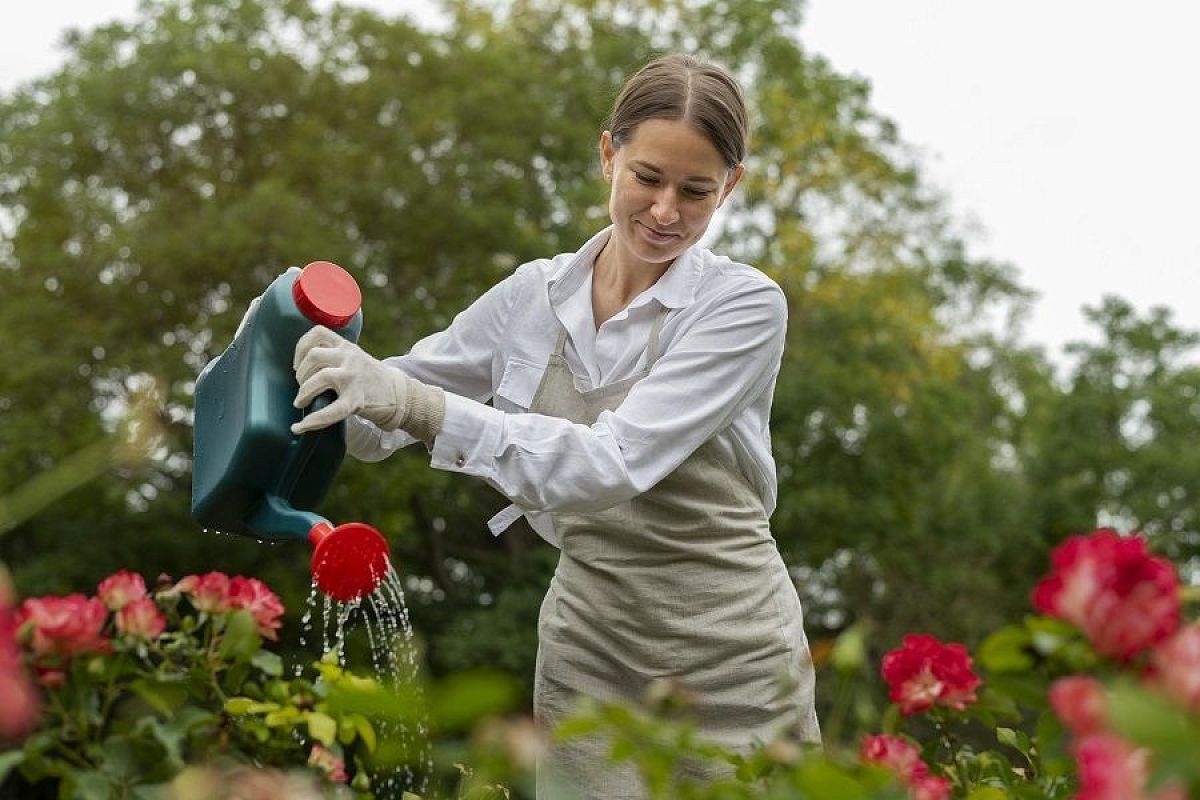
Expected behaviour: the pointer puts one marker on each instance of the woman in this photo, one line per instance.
(631, 387)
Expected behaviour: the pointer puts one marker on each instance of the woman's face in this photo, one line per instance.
(667, 181)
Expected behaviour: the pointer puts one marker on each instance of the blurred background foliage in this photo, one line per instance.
(928, 457)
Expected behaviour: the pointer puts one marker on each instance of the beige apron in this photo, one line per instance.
(683, 581)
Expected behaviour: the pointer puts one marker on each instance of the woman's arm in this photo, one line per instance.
(724, 360)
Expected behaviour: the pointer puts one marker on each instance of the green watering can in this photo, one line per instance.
(251, 475)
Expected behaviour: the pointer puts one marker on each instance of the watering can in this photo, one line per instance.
(251, 475)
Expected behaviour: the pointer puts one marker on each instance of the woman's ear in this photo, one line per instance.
(735, 177)
(608, 154)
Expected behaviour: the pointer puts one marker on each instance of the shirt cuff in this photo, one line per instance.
(469, 439)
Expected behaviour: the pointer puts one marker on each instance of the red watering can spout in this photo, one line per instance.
(348, 561)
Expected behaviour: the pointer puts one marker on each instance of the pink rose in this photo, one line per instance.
(1112, 769)
(333, 767)
(930, 787)
(120, 588)
(64, 626)
(1177, 667)
(1123, 599)
(924, 672)
(141, 619)
(1078, 701)
(902, 757)
(899, 755)
(209, 592)
(254, 596)
(18, 698)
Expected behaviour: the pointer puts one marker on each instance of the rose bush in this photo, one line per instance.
(138, 683)
(1068, 703)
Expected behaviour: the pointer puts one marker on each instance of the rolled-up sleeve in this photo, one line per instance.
(722, 357)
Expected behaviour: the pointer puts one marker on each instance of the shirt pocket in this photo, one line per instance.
(518, 384)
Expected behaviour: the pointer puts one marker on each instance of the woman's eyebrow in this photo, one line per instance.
(647, 166)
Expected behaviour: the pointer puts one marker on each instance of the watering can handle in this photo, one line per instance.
(304, 448)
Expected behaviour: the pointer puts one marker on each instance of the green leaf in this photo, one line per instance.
(321, 727)
(1006, 650)
(460, 700)
(268, 662)
(245, 705)
(1015, 739)
(9, 760)
(1149, 719)
(162, 696)
(987, 793)
(622, 749)
(824, 779)
(284, 716)
(850, 649)
(576, 726)
(89, 784)
(366, 731)
(241, 640)
(892, 719)
(168, 738)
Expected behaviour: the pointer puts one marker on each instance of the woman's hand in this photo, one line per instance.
(364, 386)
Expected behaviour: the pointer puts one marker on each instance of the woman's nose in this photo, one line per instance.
(665, 209)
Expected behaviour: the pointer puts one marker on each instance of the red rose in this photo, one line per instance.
(924, 672)
(120, 588)
(254, 596)
(1079, 702)
(930, 787)
(142, 619)
(64, 626)
(209, 592)
(1123, 599)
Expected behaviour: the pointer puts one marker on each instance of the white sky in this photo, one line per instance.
(1062, 128)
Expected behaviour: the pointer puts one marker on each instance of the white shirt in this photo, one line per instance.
(720, 347)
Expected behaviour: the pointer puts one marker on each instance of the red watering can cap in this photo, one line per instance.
(326, 294)
(348, 561)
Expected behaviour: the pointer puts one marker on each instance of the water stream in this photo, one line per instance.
(383, 616)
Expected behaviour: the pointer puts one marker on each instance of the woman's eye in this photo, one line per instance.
(648, 180)
(697, 193)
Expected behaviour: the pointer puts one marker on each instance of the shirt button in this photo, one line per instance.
(458, 462)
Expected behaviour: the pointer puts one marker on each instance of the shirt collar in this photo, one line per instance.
(675, 289)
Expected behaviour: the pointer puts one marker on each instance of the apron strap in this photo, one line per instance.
(560, 348)
(652, 344)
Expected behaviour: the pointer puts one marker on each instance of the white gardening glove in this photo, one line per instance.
(365, 386)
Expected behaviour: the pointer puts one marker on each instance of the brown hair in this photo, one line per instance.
(680, 87)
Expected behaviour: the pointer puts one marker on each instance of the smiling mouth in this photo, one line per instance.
(657, 233)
